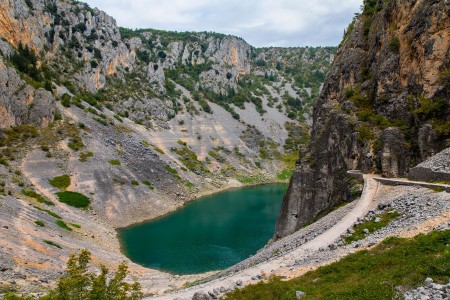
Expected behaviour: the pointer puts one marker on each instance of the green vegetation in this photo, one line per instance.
(52, 244)
(159, 150)
(394, 44)
(75, 144)
(371, 226)
(75, 225)
(37, 196)
(63, 225)
(85, 155)
(115, 162)
(119, 181)
(48, 212)
(367, 274)
(78, 283)
(252, 179)
(148, 184)
(286, 174)
(173, 171)
(39, 223)
(61, 182)
(189, 158)
(74, 199)
(134, 182)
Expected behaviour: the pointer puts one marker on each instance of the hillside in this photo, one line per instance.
(102, 127)
(384, 108)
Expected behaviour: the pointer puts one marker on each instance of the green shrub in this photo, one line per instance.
(63, 225)
(52, 244)
(365, 133)
(394, 44)
(39, 223)
(134, 182)
(84, 156)
(65, 100)
(75, 225)
(48, 212)
(74, 199)
(75, 144)
(37, 196)
(60, 182)
(115, 162)
(148, 184)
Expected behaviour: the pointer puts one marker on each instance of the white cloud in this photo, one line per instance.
(260, 22)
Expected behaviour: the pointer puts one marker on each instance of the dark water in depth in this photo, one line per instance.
(212, 233)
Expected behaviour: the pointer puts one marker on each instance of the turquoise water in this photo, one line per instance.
(211, 233)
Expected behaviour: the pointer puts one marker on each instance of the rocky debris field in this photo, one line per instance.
(430, 290)
(438, 163)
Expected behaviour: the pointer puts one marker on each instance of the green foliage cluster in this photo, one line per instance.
(85, 155)
(38, 197)
(366, 274)
(48, 212)
(134, 182)
(51, 243)
(39, 223)
(394, 44)
(61, 182)
(78, 283)
(63, 225)
(74, 199)
(285, 174)
(148, 184)
(115, 162)
(189, 159)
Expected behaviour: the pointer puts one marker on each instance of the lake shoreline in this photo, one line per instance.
(207, 227)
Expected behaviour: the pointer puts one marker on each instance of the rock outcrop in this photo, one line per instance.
(384, 106)
(20, 103)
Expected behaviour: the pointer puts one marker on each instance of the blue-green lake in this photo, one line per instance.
(211, 233)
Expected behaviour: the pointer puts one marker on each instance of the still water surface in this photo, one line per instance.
(211, 233)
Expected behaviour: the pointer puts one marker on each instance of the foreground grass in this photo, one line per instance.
(367, 274)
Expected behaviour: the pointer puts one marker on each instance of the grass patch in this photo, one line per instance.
(52, 244)
(60, 182)
(172, 171)
(159, 150)
(74, 199)
(134, 182)
(367, 274)
(148, 184)
(85, 155)
(75, 225)
(119, 181)
(37, 196)
(48, 212)
(286, 174)
(39, 223)
(371, 225)
(115, 162)
(251, 179)
(63, 225)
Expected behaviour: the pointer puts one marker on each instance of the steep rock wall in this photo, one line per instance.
(384, 106)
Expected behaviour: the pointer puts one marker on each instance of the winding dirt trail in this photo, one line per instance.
(277, 266)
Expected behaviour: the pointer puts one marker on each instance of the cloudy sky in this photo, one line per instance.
(286, 23)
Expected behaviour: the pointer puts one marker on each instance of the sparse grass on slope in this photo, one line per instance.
(60, 182)
(367, 274)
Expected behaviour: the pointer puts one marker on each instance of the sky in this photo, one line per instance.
(262, 23)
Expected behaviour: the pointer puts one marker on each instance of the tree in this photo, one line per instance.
(80, 284)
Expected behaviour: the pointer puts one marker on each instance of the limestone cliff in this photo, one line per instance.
(384, 106)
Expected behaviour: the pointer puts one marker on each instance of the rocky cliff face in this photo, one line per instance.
(384, 106)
